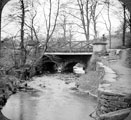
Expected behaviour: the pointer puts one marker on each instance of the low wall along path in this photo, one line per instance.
(114, 92)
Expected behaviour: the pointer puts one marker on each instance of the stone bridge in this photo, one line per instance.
(65, 55)
(66, 62)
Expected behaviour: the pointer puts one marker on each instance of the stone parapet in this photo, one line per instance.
(99, 47)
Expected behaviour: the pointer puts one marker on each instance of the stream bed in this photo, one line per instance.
(52, 99)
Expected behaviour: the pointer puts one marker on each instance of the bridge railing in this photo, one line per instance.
(74, 46)
(67, 46)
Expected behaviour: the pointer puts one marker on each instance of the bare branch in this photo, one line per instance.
(50, 12)
(55, 18)
(72, 15)
(45, 18)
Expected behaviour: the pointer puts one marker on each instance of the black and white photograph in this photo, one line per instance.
(65, 59)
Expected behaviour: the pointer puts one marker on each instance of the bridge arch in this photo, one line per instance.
(46, 63)
(68, 65)
(49, 67)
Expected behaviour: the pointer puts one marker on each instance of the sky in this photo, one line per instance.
(11, 28)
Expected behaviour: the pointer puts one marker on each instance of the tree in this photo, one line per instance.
(124, 24)
(85, 17)
(109, 20)
(63, 21)
(88, 14)
(108, 25)
(50, 27)
(19, 16)
(23, 51)
(33, 32)
(94, 17)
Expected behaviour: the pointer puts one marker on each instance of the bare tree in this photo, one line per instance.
(124, 24)
(32, 26)
(84, 12)
(109, 20)
(32, 13)
(19, 17)
(23, 51)
(95, 13)
(94, 17)
(63, 23)
(50, 28)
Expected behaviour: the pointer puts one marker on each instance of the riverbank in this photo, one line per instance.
(114, 93)
(110, 84)
(8, 86)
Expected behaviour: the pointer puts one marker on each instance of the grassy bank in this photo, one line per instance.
(90, 81)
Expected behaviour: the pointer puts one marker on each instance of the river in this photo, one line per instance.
(53, 100)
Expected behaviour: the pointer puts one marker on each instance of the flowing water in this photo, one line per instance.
(54, 100)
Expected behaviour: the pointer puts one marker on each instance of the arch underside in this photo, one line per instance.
(68, 66)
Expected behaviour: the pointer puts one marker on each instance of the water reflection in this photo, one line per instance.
(55, 102)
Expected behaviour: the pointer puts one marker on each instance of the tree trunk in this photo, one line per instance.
(88, 21)
(95, 30)
(85, 20)
(108, 3)
(23, 51)
(70, 40)
(46, 42)
(64, 28)
(94, 19)
(124, 24)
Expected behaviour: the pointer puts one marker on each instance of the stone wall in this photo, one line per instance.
(110, 102)
(111, 105)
